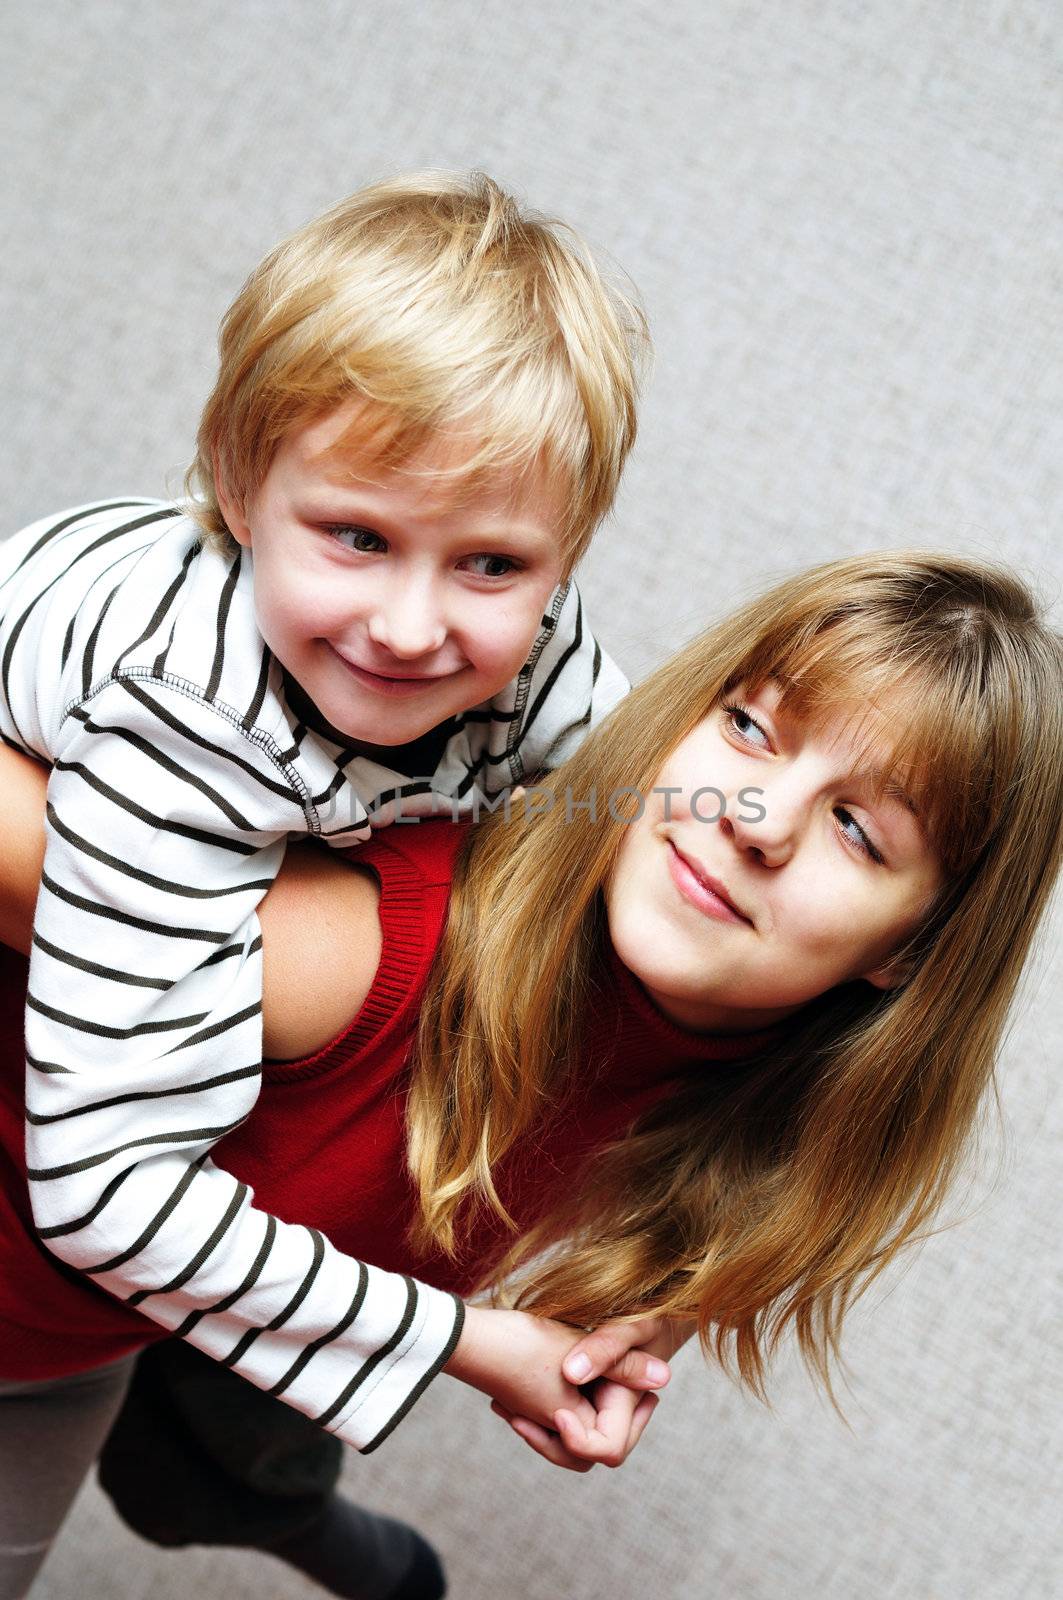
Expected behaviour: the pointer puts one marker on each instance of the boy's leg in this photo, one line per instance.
(199, 1456)
(50, 1434)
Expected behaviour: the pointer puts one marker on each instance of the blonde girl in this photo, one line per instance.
(902, 716)
(776, 907)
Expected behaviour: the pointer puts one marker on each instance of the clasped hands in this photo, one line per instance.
(577, 1399)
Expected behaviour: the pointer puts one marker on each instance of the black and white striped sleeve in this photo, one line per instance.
(568, 686)
(166, 826)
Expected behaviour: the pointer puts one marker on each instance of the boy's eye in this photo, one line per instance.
(363, 540)
(488, 566)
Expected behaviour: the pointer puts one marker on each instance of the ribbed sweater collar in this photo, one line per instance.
(648, 1045)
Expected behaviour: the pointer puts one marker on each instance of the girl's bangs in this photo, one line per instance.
(922, 724)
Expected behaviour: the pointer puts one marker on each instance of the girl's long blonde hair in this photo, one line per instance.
(770, 1191)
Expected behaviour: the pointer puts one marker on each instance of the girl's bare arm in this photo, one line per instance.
(321, 931)
(22, 786)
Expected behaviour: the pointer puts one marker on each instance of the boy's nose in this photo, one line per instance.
(409, 622)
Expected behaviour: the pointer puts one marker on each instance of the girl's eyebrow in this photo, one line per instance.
(896, 791)
(887, 786)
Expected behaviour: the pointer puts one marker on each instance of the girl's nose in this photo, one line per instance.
(409, 621)
(767, 830)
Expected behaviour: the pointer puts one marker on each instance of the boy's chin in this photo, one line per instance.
(391, 733)
(390, 744)
(356, 719)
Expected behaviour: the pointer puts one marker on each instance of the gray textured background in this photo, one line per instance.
(845, 221)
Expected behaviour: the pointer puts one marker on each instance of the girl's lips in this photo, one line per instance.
(387, 685)
(692, 885)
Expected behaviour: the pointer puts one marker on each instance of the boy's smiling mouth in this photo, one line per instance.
(392, 682)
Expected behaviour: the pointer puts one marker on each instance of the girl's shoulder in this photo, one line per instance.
(349, 938)
(425, 848)
(321, 948)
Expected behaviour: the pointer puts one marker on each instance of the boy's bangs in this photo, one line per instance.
(510, 427)
(439, 303)
(922, 724)
(516, 427)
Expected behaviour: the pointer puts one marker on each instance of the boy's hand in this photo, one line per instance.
(619, 1359)
(621, 1415)
(515, 1357)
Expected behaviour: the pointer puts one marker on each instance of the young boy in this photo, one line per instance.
(424, 403)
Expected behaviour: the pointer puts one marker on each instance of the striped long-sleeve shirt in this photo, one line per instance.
(130, 661)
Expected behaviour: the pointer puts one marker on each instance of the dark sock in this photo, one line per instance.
(360, 1556)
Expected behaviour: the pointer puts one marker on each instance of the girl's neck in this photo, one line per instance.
(701, 1021)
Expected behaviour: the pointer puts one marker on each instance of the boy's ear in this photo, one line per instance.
(232, 508)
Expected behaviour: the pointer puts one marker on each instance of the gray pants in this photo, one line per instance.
(50, 1434)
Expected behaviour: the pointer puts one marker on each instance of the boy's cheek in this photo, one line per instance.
(515, 629)
(503, 655)
(297, 611)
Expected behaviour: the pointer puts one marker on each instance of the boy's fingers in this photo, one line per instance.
(583, 1409)
(606, 1348)
(616, 1432)
(589, 1445)
(621, 1425)
(548, 1445)
(643, 1412)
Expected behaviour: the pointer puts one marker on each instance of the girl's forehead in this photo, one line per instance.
(872, 737)
(826, 712)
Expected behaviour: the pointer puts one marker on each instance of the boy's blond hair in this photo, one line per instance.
(438, 301)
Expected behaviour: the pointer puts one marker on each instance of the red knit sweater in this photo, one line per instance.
(325, 1144)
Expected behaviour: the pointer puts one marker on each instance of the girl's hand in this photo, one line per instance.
(612, 1364)
(621, 1415)
(632, 1353)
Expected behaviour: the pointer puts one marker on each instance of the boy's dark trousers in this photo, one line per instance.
(199, 1456)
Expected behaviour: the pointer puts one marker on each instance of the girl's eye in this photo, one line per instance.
(364, 540)
(746, 726)
(857, 837)
(488, 566)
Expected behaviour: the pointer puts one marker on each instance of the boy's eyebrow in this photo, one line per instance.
(503, 532)
(327, 500)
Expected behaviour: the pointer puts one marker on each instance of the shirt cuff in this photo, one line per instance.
(380, 1404)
